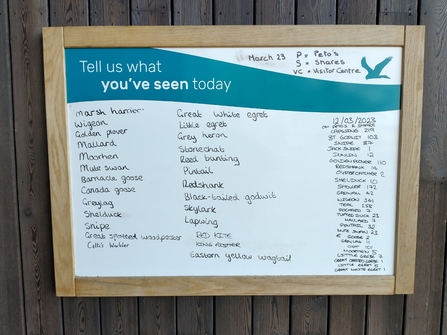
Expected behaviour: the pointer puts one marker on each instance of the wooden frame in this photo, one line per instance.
(410, 38)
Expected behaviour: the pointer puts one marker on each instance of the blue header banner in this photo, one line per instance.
(95, 74)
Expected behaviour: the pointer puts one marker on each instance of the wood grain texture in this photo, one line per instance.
(63, 13)
(275, 12)
(410, 143)
(316, 12)
(42, 308)
(398, 12)
(234, 316)
(192, 12)
(424, 307)
(434, 120)
(233, 36)
(356, 12)
(157, 315)
(271, 315)
(444, 297)
(119, 316)
(155, 12)
(233, 285)
(81, 316)
(309, 315)
(68, 12)
(12, 309)
(195, 315)
(385, 315)
(58, 160)
(109, 13)
(230, 12)
(347, 315)
(114, 314)
(433, 15)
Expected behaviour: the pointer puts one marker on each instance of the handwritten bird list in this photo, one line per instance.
(172, 188)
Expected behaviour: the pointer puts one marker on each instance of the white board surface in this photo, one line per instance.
(165, 186)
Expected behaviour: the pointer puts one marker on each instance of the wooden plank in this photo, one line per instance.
(195, 315)
(42, 308)
(357, 12)
(234, 316)
(157, 315)
(316, 12)
(423, 310)
(271, 315)
(81, 316)
(119, 316)
(309, 315)
(347, 315)
(233, 36)
(410, 143)
(109, 13)
(12, 309)
(192, 12)
(220, 286)
(231, 12)
(385, 315)
(444, 300)
(156, 12)
(434, 120)
(275, 12)
(68, 12)
(403, 12)
(431, 246)
(59, 173)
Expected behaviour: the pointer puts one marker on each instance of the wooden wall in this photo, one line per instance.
(28, 304)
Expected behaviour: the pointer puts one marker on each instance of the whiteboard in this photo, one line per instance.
(266, 162)
(163, 187)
